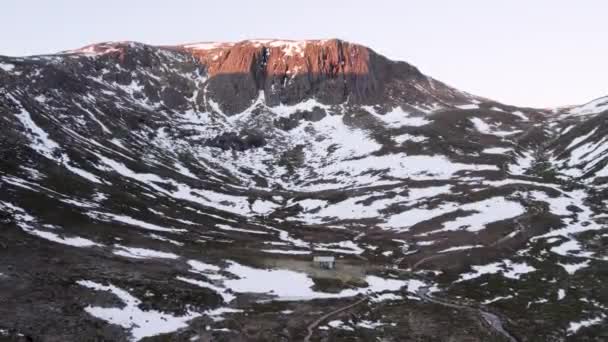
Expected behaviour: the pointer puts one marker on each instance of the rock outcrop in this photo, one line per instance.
(332, 71)
(286, 72)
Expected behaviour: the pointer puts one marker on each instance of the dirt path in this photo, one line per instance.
(312, 326)
(493, 321)
(423, 260)
(520, 228)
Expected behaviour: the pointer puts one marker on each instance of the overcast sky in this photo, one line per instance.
(530, 53)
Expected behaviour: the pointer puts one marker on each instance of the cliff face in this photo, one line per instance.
(285, 72)
(288, 72)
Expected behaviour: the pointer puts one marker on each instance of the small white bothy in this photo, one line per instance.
(326, 262)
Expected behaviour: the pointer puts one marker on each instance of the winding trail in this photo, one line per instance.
(519, 230)
(493, 321)
(312, 326)
(428, 258)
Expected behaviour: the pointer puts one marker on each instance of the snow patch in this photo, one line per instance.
(142, 253)
(140, 323)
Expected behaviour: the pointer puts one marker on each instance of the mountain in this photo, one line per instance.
(181, 193)
(580, 151)
(332, 71)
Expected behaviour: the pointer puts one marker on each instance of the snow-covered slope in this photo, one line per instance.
(579, 151)
(596, 106)
(185, 190)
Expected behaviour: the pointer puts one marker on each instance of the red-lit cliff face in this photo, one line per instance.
(331, 71)
(283, 57)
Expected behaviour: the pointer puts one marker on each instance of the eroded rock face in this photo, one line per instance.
(245, 140)
(235, 75)
(288, 72)
(314, 115)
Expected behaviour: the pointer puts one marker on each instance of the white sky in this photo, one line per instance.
(530, 53)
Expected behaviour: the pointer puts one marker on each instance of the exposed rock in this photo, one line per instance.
(315, 114)
(240, 142)
(331, 71)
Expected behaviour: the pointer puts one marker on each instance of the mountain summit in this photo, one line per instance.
(183, 192)
(333, 71)
(288, 72)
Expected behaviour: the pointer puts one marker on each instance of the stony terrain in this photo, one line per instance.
(179, 193)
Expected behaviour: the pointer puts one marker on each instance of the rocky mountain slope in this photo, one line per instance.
(180, 193)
